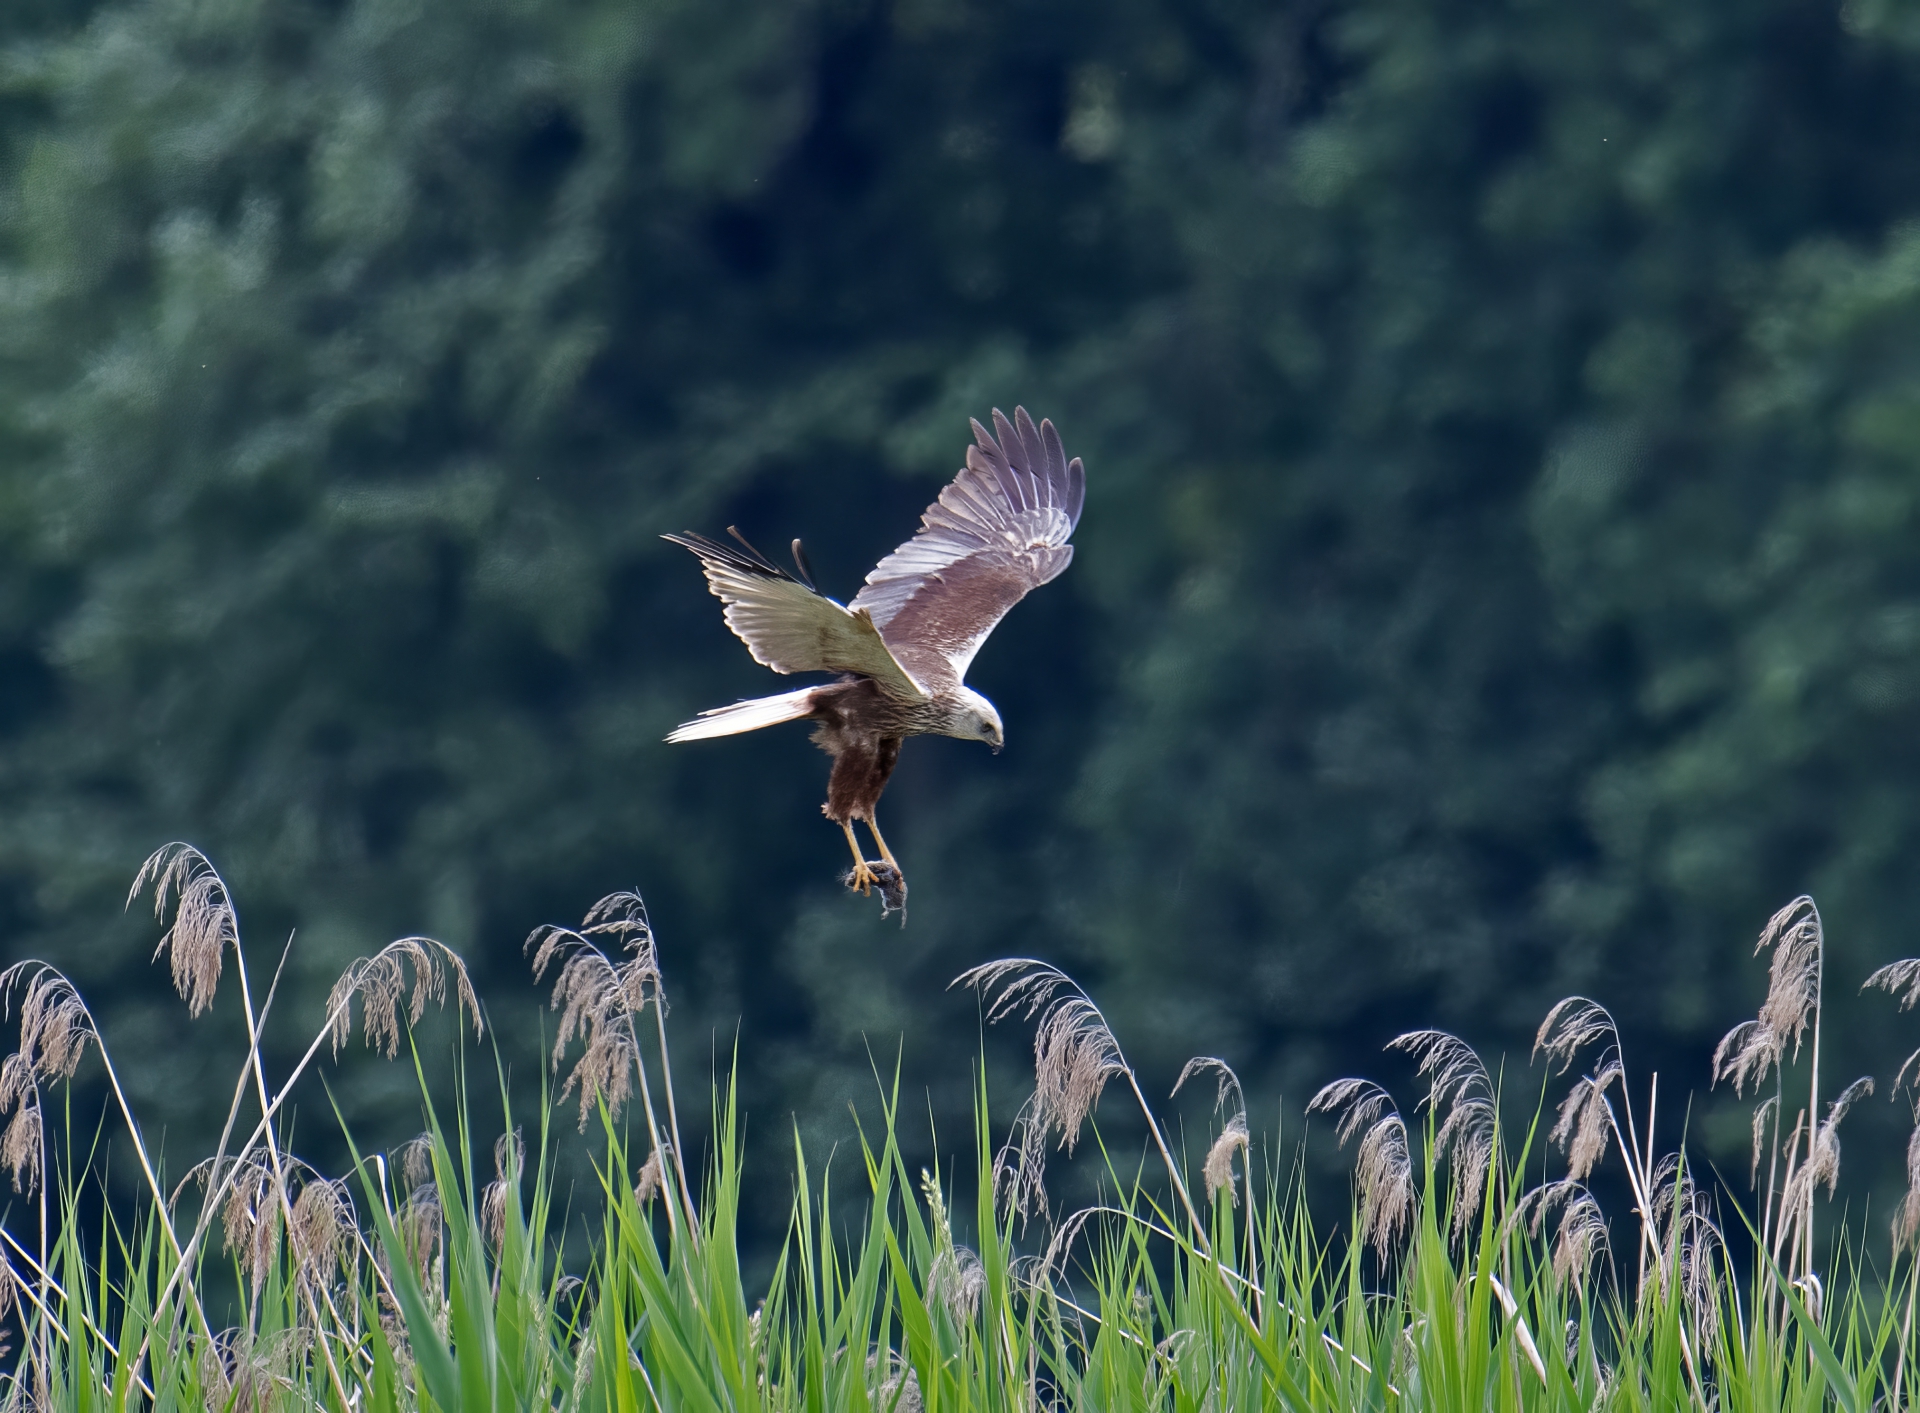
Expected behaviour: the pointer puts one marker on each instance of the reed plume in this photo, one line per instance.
(1217, 1170)
(1821, 1167)
(204, 923)
(1753, 1049)
(509, 1158)
(597, 999)
(410, 971)
(1460, 1096)
(250, 1217)
(647, 1182)
(1580, 1234)
(1585, 1118)
(1074, 1051)
(320, 1229)
(1383, 1165)
(1902, 980)
(55, 1028)
(1074, 1055)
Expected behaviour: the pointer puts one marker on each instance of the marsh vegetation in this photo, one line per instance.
(1476, 1269)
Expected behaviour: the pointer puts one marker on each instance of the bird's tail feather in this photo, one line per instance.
(746, 716)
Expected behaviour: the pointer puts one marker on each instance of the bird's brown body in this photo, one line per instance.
(863, 728)
(863, 731)
(902, 647)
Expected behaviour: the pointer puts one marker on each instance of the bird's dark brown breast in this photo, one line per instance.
(861, 727)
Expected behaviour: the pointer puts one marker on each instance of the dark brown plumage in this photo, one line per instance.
(902, 647)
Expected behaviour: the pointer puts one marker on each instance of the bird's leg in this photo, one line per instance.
(874, 828)
(862, 877)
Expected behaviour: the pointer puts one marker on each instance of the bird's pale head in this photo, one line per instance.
(977, 720)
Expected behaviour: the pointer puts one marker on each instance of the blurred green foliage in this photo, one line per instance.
(1498, 575)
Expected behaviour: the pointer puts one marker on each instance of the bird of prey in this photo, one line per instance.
(901, 648)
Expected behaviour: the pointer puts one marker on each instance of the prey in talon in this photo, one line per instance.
(901, 648)
(869, 874)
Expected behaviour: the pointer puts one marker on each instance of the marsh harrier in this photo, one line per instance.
(901, 648)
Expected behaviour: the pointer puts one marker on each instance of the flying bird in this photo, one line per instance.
(902, 647)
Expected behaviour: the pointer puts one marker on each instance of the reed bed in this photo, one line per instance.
(428, 1277)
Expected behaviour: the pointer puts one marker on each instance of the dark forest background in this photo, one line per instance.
(1498, 575)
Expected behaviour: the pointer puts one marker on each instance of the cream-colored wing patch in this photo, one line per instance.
(789, 627)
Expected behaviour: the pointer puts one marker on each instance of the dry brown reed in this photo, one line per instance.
(957, 1280)
(320, 1229)
(1074, 1056)
(1383, 1165)
(1074, 1051)
(420, 1229)
(1751, 1050)
(1821, 1167)
(1902, 980)
(55, 1028)
(1217, 1170)
(1585, 1119)
(204, 924)
(250, 1218)
(509, 1160)
(1582, 1126)
(241, 1373)
(411, 970)
(1580, 1234)
(648, 1181)
(597, 999)
(1460, 1096)
(1694, 1246)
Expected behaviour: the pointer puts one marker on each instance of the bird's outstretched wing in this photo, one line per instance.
(999, 529)
(789, 627)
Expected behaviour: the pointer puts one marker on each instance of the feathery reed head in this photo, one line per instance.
(55, 1027)
(1574, 1023)
(1901, 979)
(1751, 1050)
(957, 1280)
(1217, 1171)
(1218, 1168)
(420, 1229)
(1767, 1109)
(204, 923)
(23, 1146)
(1580, 1235)
(509, 1158)
(1793, 985)
(251, 1216)
(1585, 1117)
(1074, 1051)
(648, 1182)
(597, 997)
(411, 972)
(1906, 1220)
(1584, 1120)
(318, 1227)
(1821, 1168)
(1691, 1240)
(1383, 1166)
(414, 1159)
(1460, 1095)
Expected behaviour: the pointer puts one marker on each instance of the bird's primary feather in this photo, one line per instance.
(998, 530)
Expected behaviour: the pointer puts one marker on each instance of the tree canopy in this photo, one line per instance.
(1497, 576)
